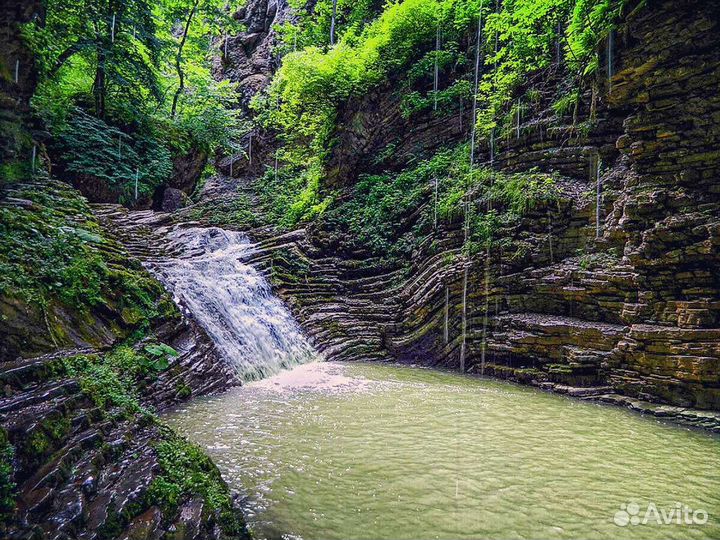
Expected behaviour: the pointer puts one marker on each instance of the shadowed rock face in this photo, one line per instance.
(249, 60)
(82, 465)
(16, 138)
(635, 311)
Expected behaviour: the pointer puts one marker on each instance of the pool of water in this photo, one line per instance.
(355, 451)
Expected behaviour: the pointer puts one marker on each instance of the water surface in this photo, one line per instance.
(372, 451)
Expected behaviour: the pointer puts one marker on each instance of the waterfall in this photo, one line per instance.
(34, 156)
(464, 319)
(112, 30)
(119, 147)
(550, 231)
(518, 120)
(225, 52)
(492, 147)
(332, 23)
(17, 71)
(557, 43)
(475, 90)
(598, 193)
(467, 194)
(232, 301)
(462, 111)
(487, 308)
(137, 177)
(435, 211)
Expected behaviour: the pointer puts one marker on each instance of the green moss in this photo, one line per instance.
(14, 171)
(239, 212)
(7, 486)
(183, 391)
(187, 471)
(115, 379)
(38, 443)
(390, 215)
(47, 435)
(53, 252)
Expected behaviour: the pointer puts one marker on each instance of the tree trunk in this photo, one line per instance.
(178, 60)
(332, 23)
(99, 85)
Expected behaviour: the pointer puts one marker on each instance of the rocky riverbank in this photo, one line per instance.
(82, 376)
(610, 292)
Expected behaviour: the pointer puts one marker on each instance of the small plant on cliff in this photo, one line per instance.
(7, 486)
(187, 471)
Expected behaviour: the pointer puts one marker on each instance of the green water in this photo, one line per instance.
(374, 451)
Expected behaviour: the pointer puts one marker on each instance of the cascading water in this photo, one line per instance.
(435, 209)
(595, 166)
(333, 22)
(464, 320)
(550, 236)
(232, 301)
(610, 68)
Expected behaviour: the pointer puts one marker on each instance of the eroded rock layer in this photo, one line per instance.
(631, 309)
(83, 454)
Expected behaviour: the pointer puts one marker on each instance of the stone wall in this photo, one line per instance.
(633, 312)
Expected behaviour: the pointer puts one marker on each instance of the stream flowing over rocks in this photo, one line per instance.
(252, 329)
(612, 296)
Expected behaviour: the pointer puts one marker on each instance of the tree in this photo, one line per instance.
(115, 39)
(190, 25)
(178, 57)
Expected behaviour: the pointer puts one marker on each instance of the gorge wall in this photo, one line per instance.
(629, 313)
(83, 453)
(91, 346)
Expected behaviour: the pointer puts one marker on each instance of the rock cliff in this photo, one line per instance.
(623, 310)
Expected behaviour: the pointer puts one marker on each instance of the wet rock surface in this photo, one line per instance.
(84, 461)
(631, 313)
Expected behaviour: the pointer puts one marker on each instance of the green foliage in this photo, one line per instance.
(567, 103)
(312, 26)
(116, 379)
(125, 86)
(292, 195)
(389, 215)
(54, 252)
(105, 380)
(90, 147)
(590, 23)
(7, 486)
(187, 471)
(518, 37)
(160, 355)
